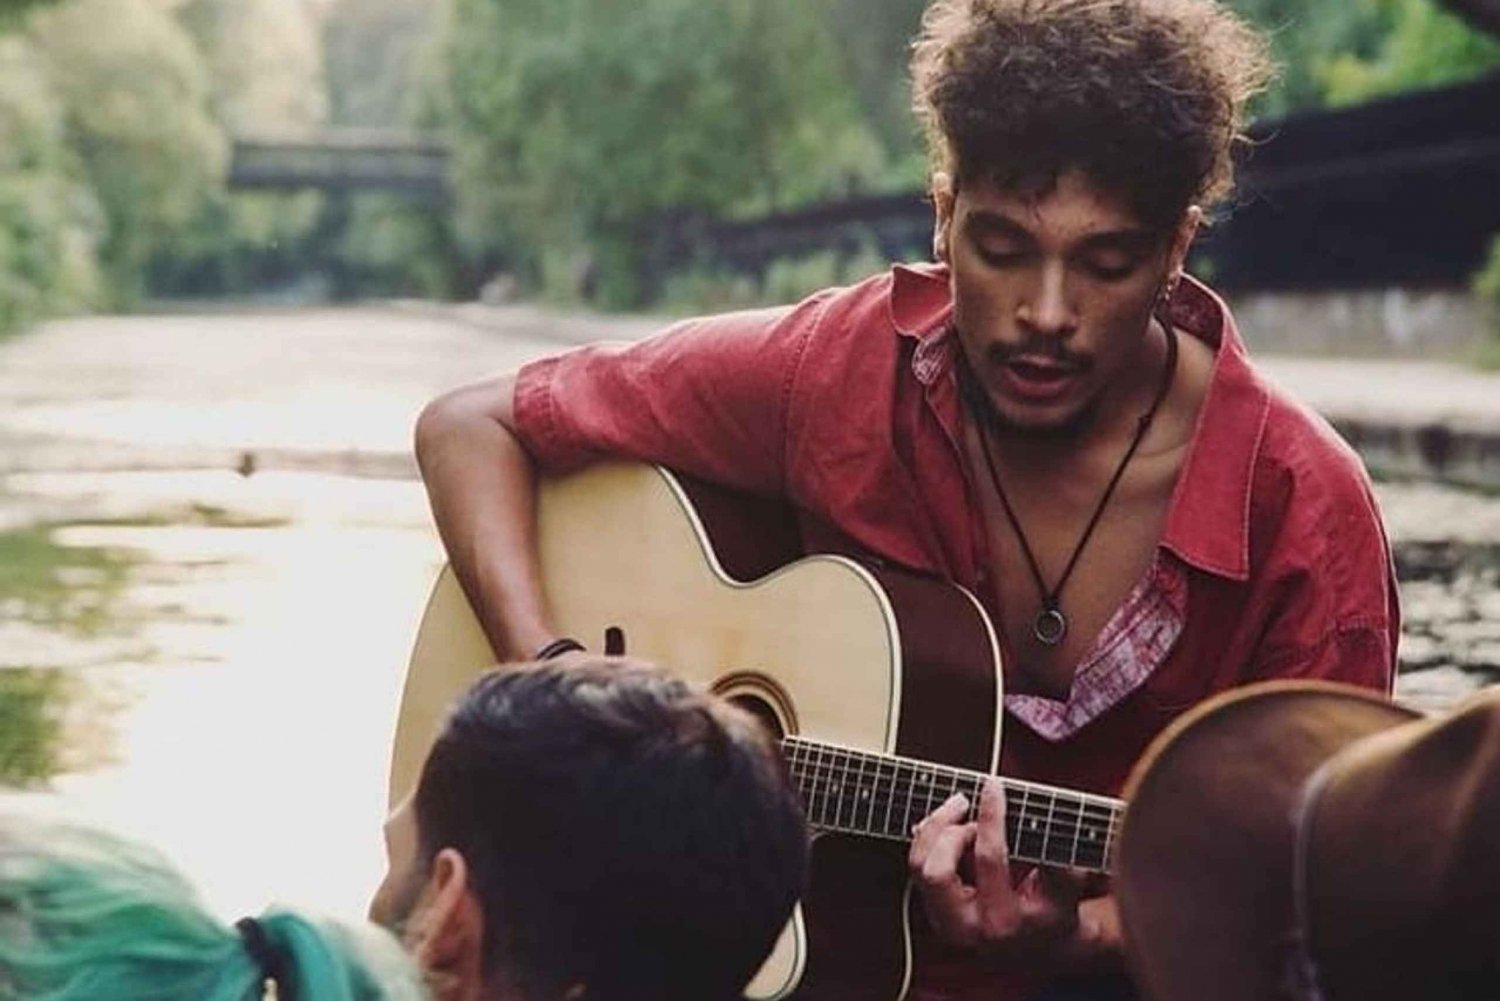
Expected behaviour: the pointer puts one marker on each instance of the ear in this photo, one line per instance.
(1182, 240)
(448, 942)
(943, 198)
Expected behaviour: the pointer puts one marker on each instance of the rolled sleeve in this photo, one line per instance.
(1358, 655)
(708, 397)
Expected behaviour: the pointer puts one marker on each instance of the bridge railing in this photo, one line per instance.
(409, 164)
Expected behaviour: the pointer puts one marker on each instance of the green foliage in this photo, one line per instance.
(265, 77)
(873, 50)
(1487, 290)
(709, 290)
(49, 220)
(373, 52)
(135, 94)
(71, 589)
(575, 122)
(264, 63)
(1355, 50)
(31, 707)
(1305, 37)
(13, 12)
(396, 248)
(238, 241)
(1426, 47)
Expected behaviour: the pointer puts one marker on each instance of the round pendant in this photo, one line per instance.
(1049, 627)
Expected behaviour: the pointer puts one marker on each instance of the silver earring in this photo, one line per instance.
(1168, 290)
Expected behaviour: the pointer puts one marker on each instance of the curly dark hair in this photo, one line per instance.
(1145, 97)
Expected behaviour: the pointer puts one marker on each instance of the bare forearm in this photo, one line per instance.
(482, 488)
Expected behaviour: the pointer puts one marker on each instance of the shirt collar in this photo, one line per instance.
(1208, 522)
(921, 303)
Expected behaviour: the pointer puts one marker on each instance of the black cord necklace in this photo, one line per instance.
(1051, 625)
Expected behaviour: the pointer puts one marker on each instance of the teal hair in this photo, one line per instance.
(85, 916)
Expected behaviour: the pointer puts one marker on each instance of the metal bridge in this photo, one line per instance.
(410, 164)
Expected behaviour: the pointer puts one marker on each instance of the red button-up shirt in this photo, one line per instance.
(1273, 562)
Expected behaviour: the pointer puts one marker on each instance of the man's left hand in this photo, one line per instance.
(1048, 916)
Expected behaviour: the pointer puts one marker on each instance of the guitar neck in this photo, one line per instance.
(884, 796)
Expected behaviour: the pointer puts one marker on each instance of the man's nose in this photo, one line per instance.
(1046, 308)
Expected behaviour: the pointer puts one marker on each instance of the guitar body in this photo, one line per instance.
(699, 581)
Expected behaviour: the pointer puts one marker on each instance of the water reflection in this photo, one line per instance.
(259, 684)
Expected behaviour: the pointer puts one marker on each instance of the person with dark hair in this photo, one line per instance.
(87, 916)
(1053, 416)
(599, 832)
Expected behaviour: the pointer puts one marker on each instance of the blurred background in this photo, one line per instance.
(242, 241)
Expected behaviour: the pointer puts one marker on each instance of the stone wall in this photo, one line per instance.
(1433, 324)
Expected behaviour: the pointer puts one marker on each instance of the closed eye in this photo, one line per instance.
(1001, 257)
(1111, 271)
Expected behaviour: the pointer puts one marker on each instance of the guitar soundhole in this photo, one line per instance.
(763, 714)
(762, 698)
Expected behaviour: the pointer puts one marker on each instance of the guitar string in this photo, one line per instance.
(1068, 835)
(889, 771)
(852, 755)
(1077, 843)
(1086, 841)
(894, 786)
(893, 781)
(834, 783)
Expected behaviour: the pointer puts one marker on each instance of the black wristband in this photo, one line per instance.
(560, 646)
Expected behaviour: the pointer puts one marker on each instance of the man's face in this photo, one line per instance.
(432, 909)
(1052, 296)
(396, 899)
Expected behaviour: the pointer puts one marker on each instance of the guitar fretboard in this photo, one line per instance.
(884, 796)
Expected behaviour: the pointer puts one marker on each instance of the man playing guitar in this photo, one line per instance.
(1052, 416)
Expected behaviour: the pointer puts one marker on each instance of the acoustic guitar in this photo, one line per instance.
(883, 687)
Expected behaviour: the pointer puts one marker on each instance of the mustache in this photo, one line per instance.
(1050, 349)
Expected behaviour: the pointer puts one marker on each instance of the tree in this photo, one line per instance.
(13, 12)
(1305, 37)
(50, 222)
(373, 51)
(266, 77)
(265, 63)
(1427, 46)
(577, 122)
(874, 48)
(134, 94)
